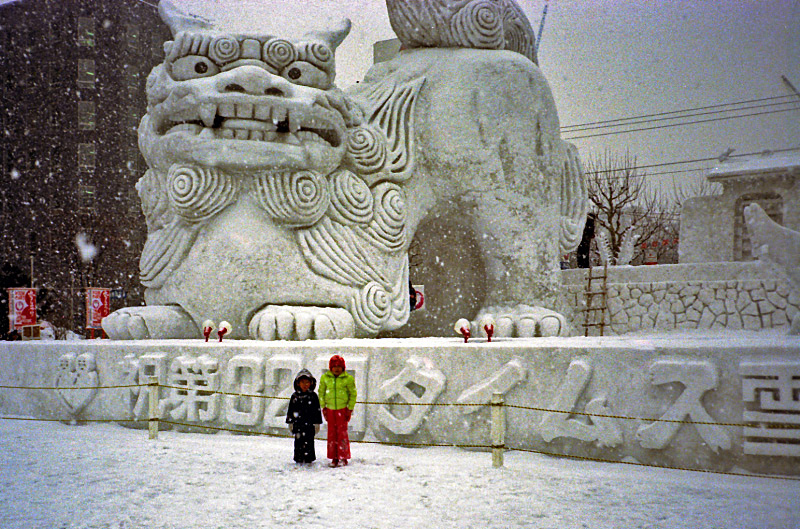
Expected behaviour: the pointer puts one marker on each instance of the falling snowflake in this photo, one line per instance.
(86, 249)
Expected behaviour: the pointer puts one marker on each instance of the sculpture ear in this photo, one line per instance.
(336, 31)
(179, 20)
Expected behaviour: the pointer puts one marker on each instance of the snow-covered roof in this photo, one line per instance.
(767, 162)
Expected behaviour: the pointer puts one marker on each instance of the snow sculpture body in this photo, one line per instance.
(279, 203)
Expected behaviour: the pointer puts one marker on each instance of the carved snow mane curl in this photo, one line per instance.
(366, 149)
(478, 24)
(388, 227)
(371, 307)
(351, 198)
(279, 53)
(294, 199)
(224, 49)
(198, 193)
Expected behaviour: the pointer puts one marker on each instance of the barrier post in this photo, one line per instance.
(152, 423)
(498, 429)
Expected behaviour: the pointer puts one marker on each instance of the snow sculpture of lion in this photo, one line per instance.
(285, 206)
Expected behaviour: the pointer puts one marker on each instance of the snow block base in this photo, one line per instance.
(703, 401)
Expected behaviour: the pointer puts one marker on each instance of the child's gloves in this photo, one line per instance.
(316, 428)
(326, 413)
(347, 414)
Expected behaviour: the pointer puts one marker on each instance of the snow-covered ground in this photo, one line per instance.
(56, 476)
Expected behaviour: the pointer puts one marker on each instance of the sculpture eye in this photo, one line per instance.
(306, 74)
(192, 67)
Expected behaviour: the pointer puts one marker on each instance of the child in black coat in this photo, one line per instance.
(305, 416)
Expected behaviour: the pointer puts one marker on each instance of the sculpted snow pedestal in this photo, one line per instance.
(285, 206)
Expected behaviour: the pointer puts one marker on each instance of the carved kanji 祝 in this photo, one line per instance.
(697, 377)
(138, 371)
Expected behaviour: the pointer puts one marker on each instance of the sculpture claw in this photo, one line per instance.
(525, 321)
(284, 322)
(151, 322)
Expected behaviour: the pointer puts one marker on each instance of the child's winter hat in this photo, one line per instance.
(336, 360)
(305, 373)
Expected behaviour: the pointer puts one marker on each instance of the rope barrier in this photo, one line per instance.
(267, 434)
(80, 387)
(431, 404)
(70, 419)
(599, 460)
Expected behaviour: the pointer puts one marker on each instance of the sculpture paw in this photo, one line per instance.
(142, 323)
(523, 321)
(285, 322)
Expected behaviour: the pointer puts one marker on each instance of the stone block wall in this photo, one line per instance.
(670, 297)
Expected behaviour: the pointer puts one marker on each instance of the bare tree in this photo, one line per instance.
(622, 201)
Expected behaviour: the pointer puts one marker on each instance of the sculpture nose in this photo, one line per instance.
(253, 80)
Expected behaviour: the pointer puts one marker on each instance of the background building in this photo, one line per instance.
(73, 79)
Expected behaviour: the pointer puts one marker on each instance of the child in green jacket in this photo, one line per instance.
(337, 396)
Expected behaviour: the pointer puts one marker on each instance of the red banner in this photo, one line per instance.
(21, 307)
(97, 306)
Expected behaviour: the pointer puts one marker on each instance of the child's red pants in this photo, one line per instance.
(338, 440)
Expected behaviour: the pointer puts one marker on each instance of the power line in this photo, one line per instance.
(636, 121)
(759, 100)
(698, 160)
(682, 124)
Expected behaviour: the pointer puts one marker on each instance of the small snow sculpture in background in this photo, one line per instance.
(627, 248)
(605, 250)
(777, 246)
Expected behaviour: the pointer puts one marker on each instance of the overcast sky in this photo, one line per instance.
(608, 59)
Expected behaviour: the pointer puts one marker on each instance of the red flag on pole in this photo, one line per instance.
(97, 306)
(21, 308)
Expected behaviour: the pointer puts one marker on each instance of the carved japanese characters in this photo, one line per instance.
(771, 392)
(697, 377)
(282, 205)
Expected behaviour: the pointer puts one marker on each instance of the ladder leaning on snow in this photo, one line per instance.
(596, 301)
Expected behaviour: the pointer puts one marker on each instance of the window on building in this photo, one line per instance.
(86, 197)
(134, 162)
(85, 31)
(86, 115)
(87, 152)
(133, 119)
(772, 203)
(132, 35)
(86, 73)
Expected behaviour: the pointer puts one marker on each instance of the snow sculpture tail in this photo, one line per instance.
(483, 24)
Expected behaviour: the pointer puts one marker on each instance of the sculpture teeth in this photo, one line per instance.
(307, 135)
(292, 139)
(244, 110)
(227, 110)
(294, 121)
(278, 115)
(208, 112)
(262, 113)
(207, 134)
